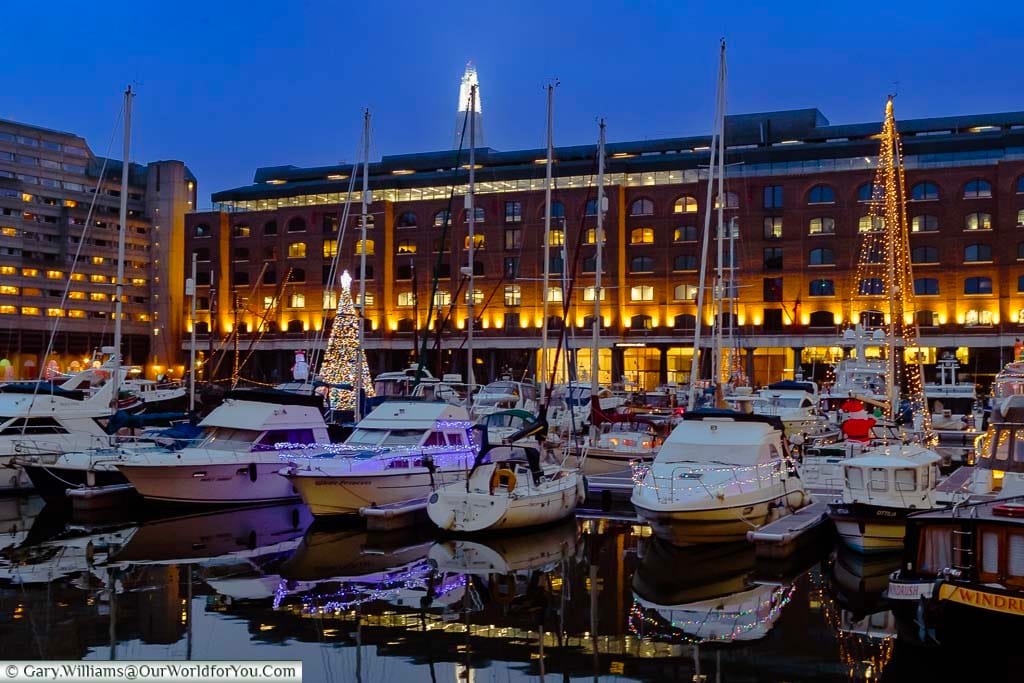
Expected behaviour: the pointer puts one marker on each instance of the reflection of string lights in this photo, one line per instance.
(766, 612)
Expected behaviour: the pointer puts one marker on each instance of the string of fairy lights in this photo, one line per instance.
(884, 265)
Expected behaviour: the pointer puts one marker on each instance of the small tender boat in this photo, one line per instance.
(718, 475)
(515, 491)
(397, 453)
(880, 488)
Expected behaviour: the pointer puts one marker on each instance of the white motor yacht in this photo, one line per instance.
(239, 455)
(396, 453)
(718, 475)
(505, 394)
(857, 375)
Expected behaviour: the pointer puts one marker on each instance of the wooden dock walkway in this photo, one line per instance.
(785, 535)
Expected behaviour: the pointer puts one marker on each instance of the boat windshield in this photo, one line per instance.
(711, 455)
(403, 437)
(778, 402)
(224, 439)
(366, 437)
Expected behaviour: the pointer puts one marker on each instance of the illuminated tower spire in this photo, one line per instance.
(469, 79)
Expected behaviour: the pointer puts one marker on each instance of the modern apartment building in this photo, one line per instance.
(796, 198)
(59, 224)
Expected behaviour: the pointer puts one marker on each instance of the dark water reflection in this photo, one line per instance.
(590, 599)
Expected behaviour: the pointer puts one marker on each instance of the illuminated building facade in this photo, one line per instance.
(796, 195)
(49, 180)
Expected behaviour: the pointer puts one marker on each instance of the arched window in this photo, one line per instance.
(732, 201)
(726, 320)
(406, 247)
(296, 224)
(297, 250)
(405, 325)
(822, 319)
(685, 204)
(641, 264)
(297, 300)
(271, 327)
(976, 317)
(978, 285)
(685, 233)
(642, 207)
(442, 218)
(924, 223)
(974, 253)
(926, 319)
(871, 224)
(821, 257)
(270, 252)
(978, 221)
(368, 245)
(591, 208)
(590, 236)
(925, 191)
(407, 220)
(871, 286)
(557, 209)
(684, 292)
(641, 236)
(924, 255)
(295, 326)
(822, 288)
(556, 238)
(270, 228)
(684, 262)
(1020, 185)
(588, 293)
(926, 286)
(1020, 287)
(684, 321)
(1020, 251)
(641, 293)
(330, 248)
(201, 230)
(640, 322)
(821, 225)
(866, 192)
(240, 230)
(478, 211)
(871, 319)
(977, 189)
(821, 194)
(299, 275)
(202, 254)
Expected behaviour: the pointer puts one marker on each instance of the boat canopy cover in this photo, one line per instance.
(735, 415)
(284, 398)
(42, 388)
(793, 385)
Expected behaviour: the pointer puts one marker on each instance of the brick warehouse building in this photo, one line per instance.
(797, 192)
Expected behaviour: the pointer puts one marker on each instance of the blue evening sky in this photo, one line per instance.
(229, 86)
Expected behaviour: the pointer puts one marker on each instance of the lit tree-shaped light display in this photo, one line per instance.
(343, 358)
(884, 266)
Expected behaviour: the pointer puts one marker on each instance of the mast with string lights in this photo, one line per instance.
(344, 354)
(884, 268)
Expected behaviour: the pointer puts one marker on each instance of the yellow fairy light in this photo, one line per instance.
(343, 355)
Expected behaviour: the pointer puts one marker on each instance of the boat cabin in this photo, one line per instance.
(723, 438)
(413, 425)
(999, 453)
(264, 421)
(904, 479)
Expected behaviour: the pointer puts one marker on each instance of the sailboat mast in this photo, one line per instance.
(716, 129)
(361, 314)
(122, 231)
(470, 251)
(716, 358)
(547, 249)
(595, 325)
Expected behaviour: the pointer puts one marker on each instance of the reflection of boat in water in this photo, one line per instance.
(74, 550)
(861, 579)
(506, 554)
(17, 514)
(326, 554)
(712, 600)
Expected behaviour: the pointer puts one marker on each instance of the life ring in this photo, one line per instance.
(503, 477)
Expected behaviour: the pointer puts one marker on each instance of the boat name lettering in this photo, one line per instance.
(975, 598)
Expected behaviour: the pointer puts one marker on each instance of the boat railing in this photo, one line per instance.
(684, 480)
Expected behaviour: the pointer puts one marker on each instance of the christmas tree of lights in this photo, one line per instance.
(343, 355)
(884, 266)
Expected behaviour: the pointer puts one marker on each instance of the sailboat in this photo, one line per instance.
(886, 483)
(508, 485)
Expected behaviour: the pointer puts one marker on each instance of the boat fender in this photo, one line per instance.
(252, 471)
(582, 486)
(503, 477)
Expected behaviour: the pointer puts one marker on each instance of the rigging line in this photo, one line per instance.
(252, 342)
(440, 254)
(332, 273)
(74, 264)
(261, 330)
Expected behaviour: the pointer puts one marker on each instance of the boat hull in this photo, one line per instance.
(605, 462)
(211, 484)
(333, 495)
(869, 528)
(52, 483)
(719, 520)
(452, 508)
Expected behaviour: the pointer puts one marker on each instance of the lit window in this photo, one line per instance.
(55, 312)
(478, 242)
(442, 297)
(406, 247)
(924, 223)
(641, 293)
(1020, 218)
(685, 233)
(369, 247)
(588, 293)
(590, 236)
(641, 236)
(330, 248)
(78, 277)
(54, 274)
(556, 238)
(554, 295)
(685, 204)
(268, 302)
(978, 221)
(76, 314)
(8, 310)
(240, 231)
(138, 282)
(297, 300)
(297, 250)
(732, 201)
(97, 278)
(478, 297)
(773, 228)
(977, 189)
(9, 290)
(822, 225)
(870, 224)
(29, 310)
(513, 295)
(406, 299)
(76, 295)
(978, 317)
(97, 296)
(29, 272)
(684, 292)
(8, 270)
(8, 231)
